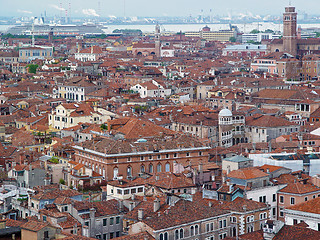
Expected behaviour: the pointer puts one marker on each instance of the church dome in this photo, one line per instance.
(225, 113)
(206, 29)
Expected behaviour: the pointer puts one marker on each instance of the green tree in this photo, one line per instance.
(61, 181)
(32, 68)
(232, 39)
(104, 127)
(102, 36)
(54, 160)
(269, 31)
(255, 31)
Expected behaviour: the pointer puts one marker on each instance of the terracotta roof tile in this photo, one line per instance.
(247, 173)
(311, 206)
(300, 188)
(34, 226)
(243, 205)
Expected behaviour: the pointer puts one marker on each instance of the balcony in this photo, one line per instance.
(241, 121)
(226, 137)
(238, 132)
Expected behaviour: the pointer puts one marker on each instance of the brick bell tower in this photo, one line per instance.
(290, 31)
(157, 41)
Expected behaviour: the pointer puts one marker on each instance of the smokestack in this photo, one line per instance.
(200, 168)
(140, 214)
(156, 205)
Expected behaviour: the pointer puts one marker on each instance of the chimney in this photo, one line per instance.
(156, 204)
(121, 206)
(271, 228)
(92, 212)
(244, 207)
(92, 219)
(270, 146)
(268, 170)
(231, 188)
(131, 207)
(140, 213)
(74, 229)
(200, 168)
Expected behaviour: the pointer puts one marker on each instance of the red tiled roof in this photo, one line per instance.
(244, 205)
(137, 236)
(299, 188)
(247, 173)
(311, 206)
(267, 121)
(181, 213)
(271, 168)
(34, 226)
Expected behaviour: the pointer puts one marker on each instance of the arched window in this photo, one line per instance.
(161, 236)
(196, 230)
(176, 234)
(167, 167)
(142, 169)
(234, 232)
(181, 233)
(129, 171)
(150, 168)
(166, 237)
(115, 172)
(191, 230)
(159, 167)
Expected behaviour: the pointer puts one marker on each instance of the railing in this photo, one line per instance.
(238, 132)
(239, 121)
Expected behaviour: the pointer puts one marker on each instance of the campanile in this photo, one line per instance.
(290, 31)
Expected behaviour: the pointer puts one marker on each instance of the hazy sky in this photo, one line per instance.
(152, 7)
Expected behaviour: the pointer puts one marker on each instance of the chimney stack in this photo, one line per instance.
(156, 205)
(140, 214)
(200, 168)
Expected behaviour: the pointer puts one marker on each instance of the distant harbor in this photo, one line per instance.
(246, 28)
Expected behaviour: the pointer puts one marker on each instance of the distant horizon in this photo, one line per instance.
(152, 8)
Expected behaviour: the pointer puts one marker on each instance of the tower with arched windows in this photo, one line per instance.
(157, 41)
(290, 31)
(231, 128)
(225, 128)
